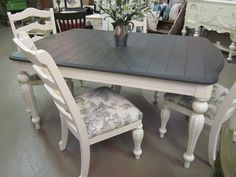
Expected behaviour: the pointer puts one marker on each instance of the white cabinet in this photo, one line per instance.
(217, 15)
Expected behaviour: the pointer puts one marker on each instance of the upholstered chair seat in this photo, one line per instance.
(104, 110)
(218, 95)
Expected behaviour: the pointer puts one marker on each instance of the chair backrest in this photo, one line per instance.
(139, 25)
(224, 113)
(37, 23)
(67, 21)
(47, 70)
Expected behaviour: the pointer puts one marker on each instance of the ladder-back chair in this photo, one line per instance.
(37, 23)
(91, 117)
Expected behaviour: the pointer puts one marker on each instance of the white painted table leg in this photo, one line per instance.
(184, 31)
(196, 123)
(22, 78)
(232, 49)
(27, 94)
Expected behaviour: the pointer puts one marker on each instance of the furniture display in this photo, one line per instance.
(96, 20)
(35, 27)
(91, 117)
(136, 65)
(67, 21)
(221, 107)
(216, 15)
(171, 26)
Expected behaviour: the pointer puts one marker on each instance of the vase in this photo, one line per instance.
(121, 32)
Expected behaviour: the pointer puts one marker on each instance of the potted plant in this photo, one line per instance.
(122, 12)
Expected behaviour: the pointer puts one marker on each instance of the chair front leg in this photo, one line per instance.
(85, 158)
(64, 134)
(165, 115)
(137, 135)
(196, 124)
(28, 97)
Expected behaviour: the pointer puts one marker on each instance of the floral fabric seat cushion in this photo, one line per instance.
(104, 110)
(219, 93)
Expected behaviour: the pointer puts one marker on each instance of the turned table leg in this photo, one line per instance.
(28, 97)
(196, 124)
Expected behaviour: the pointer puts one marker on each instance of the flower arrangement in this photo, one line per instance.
(122, 11)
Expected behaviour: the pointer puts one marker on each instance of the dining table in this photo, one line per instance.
(166, 63)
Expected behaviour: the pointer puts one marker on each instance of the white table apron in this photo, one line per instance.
(201, 92)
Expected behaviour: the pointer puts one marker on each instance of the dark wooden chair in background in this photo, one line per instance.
(68, 21)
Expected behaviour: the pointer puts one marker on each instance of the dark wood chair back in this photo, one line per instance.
(67, 21)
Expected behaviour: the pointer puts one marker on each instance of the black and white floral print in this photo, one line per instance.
(219, 93)
(104, 110)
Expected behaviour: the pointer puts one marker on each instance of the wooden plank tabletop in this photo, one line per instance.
(171, 57)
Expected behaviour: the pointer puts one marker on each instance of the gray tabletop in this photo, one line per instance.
(182, 58)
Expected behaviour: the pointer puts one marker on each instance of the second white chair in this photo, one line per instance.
(221, 107)
(92, 117)
(34, 24)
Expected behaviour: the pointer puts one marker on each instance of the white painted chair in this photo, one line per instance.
(36, 29)
(91, 117)
(221, 107)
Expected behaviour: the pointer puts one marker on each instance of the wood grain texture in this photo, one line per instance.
(171, 57)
